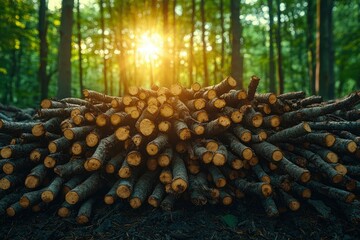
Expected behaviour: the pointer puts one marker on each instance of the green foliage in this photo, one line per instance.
(131, 20)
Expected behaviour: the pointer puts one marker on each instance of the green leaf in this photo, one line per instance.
(230, 220)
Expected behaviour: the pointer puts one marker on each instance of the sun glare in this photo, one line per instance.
(149, 47)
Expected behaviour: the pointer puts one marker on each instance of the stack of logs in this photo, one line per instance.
(205, 145)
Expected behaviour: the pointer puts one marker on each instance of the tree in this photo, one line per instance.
(78, 24)
(279, 51)
(203, 40)
(64, 80)
(324, 85)
(271, 48)
(42, 28)
(102, 24)
(310, 44)
(236, 61)
(222, 25)
(166, 62)
(191, 47)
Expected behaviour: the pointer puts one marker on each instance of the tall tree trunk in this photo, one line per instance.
(79, 44)
(271, 48)
(166, 63)
(102, 24)
(278, 44)
(222, 25)
(191, 54)
(206, 73)
(310, 44)
(64, 80)
(236, 61)
(324, 51)
(42, 28)
(123, 83)
(175, 60)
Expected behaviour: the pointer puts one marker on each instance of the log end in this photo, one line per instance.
(329, 140)
(24, 202)
(294, 205)
(92, 139)
(135, 202)
(247, 154)
(72, 197)
(219, 159)
(122, 133)
(272, 98)
(82, 219)
(49, 162)
(147, 127)
(351, 147)
(337, 178)
(306, 193)
(152, 149)
(10, 212)
(277, 155)
(38, 130)
(47, 196)
(227, 200)
(350, 198)
(64, 212)
(52, 147)
(236, 116)
(124, 172)
(32, 182)
(164, 160)
(305, 176)
(133, 158)
(179, 185)
(92, 164)
(185, 134)
(266, 189)
(123, 191)
(76, 148)
(153, 202)
(257, 120)
(6, 152)
(35, 155)
(212, 145)
(332, 157)
(5, 184)
(109, 200)
(8, 168)
(109, 168)
(69, 134)
(265, 179)
(207, 157)
(237, 164)
(220, 182)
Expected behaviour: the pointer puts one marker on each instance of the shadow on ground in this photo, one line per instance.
(239, 221)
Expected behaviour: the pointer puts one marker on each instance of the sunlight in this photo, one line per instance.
(149, 46)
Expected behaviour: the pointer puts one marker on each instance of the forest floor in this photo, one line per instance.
(242, 220)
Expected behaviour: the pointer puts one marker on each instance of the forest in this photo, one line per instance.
(57, 48)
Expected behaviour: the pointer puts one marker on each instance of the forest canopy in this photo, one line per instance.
(57, 48)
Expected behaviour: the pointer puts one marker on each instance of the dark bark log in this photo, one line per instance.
(180, 179)
(36, 176)
(59, 145)
(257, 188)
(237, 147)
(70, 169)
(49, 193)
(143, 188)
(331, 192)
(84, 190)
(19, 150)
(298, 173)
(85, 211)
(293, 132)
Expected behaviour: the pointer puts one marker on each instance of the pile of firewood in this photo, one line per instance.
(205, 145)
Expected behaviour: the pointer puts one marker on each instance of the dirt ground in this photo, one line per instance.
(242, 220)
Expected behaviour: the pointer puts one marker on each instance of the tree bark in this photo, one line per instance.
(191, 54)
(236, 60)
(64, 80)
(271, 49)
(310, 44)
(42, 28)
(203, 40)
(102, 24)
(279, 50)
(78, 24)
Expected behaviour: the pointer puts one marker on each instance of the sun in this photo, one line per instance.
(149, 46)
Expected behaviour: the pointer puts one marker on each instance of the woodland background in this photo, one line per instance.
(56, 48)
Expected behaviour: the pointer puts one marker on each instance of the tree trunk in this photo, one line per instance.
(166, 62)
(175, 60)
(271, 48)
(222, 35)
(78, 24)
(64, 80)
(278, 44)
(236, 61)
(310, 44)
(102, 24)
(191, 54)
(206, 73)
(122, 56)
(324, 50)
